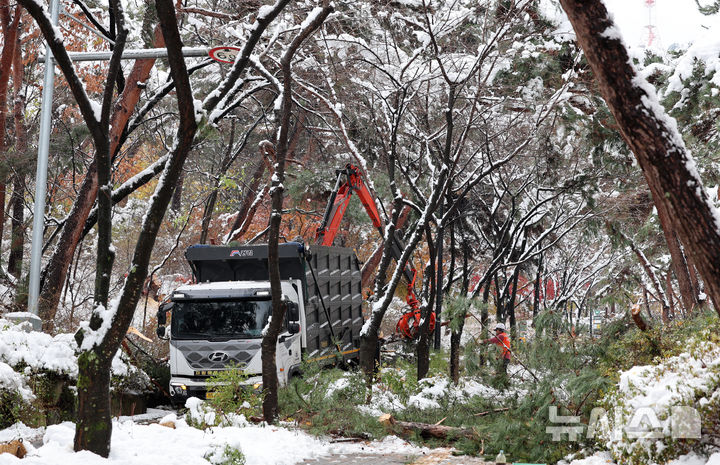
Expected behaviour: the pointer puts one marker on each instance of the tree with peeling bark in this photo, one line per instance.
(9, 23)
(653, 137)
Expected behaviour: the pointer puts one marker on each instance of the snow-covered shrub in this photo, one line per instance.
(40, 371)
(227, 455)
(655, 410)
(203, 415)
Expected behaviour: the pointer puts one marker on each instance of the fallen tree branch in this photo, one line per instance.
(482, 414)
(406, 428)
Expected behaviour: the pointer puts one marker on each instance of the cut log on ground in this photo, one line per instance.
(426, 430)
(14, 447)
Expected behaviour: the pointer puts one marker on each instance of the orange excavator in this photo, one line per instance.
(350, 180)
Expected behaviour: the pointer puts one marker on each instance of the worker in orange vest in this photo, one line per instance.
(502, 340)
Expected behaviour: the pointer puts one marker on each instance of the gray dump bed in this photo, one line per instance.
(333, 272)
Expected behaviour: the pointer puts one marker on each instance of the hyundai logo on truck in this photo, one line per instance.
(218, 357)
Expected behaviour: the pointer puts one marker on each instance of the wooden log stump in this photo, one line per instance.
(426, 430)
(637, 318)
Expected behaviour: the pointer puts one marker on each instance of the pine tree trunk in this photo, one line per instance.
(17, 237)
(9, 32)
(3, 194)
(653, 138)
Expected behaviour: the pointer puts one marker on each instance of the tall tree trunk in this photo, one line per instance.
(9, 31)
(269, 342)
(272, 331)
(456, 335)
(93, 430)
(17, 201)
(688, 292)
(653, 137)
(17, 222)
(439, 284)
(3, 194)
(422, 350)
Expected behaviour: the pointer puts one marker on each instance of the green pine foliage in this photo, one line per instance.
(577, 374)
(229, 393)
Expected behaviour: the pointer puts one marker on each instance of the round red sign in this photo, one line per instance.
(225, 54)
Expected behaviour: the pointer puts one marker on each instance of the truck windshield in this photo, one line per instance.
(200, 319)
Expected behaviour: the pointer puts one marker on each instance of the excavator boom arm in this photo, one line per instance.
(338, 202)
(328, 229)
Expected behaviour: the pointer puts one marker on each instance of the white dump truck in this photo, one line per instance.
(217, 322)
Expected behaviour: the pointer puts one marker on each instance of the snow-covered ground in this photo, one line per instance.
(153, 444)
(603, 458)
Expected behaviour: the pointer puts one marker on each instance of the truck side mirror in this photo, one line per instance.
(161, 332)
(293, 313)
(293, 328)
(162, 313)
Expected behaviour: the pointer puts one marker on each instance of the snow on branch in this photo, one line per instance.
(266, 15)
